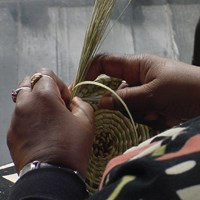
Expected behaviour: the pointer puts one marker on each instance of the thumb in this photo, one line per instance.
(81, 109)
(138, 99)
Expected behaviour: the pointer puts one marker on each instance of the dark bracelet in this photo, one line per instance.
(38, 165)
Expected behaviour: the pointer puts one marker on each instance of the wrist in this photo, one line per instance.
(35, 165)
(50, 182)
(51, 156)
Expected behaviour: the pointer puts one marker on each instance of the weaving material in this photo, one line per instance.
(114, 132)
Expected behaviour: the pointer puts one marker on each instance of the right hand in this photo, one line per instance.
(159, 92)
(44, 129)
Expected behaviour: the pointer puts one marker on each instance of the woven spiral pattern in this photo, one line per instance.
(114, 133)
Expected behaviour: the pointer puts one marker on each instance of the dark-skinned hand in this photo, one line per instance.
(47, 127)
(159, 92)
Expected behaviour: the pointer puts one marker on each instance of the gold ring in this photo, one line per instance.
(35, 78)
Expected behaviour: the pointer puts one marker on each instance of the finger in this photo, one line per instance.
(47, 89)
(63, 89)
(82, 109)
(138, 99)
(124, 67)
(26, 82)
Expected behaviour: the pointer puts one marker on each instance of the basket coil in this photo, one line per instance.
(114, 132)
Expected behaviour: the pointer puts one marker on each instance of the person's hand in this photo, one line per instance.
(47, 127)
(159, 92)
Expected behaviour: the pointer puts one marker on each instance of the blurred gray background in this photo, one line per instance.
(50, 33)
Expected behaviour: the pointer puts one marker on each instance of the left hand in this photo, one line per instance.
(47, 127)
(159, 92)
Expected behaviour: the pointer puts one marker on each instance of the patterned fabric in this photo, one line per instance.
(164, 167)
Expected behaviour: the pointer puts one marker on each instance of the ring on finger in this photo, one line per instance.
(14, 93)
(35, 78)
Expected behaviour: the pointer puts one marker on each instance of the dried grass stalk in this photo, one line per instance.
(99, 21)
(114, 133)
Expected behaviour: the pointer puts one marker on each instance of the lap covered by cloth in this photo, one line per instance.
(166, 166)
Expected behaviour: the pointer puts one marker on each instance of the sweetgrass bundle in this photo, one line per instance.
(98, 24)
(114, 132)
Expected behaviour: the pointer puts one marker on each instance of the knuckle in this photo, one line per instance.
(142, 57)
(145, 58)
(43, 95)
(101, 59)
(47, 71)
(123, 93)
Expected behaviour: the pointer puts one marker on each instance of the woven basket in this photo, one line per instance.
(114, 133)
